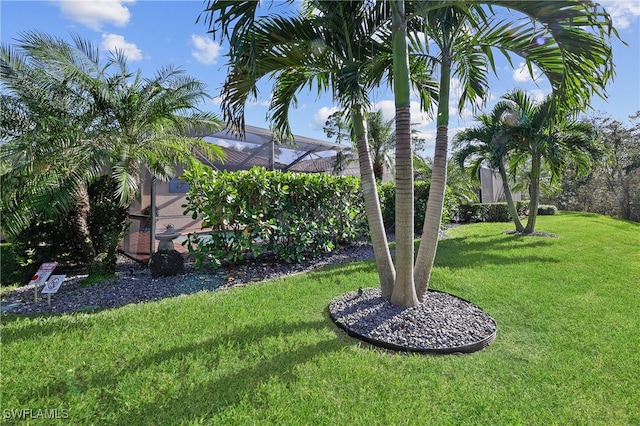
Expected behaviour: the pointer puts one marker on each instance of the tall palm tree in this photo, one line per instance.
(380, 134)
(404, 291)
(68, 121)
(566, 40)
(336, 46)
(544, 134)
(381, 141)
(487, 143)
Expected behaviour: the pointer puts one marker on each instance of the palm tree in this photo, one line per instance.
(381, 141)
(544, 134)
(404, 291)
(568, 42)
(335, 46)
(487, 144)
(380, 134)
(67, 123)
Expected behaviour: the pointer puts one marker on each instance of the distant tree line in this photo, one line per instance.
(612, 187)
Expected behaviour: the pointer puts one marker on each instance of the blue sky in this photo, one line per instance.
(158, 33)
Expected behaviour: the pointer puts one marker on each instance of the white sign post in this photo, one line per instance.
(41, 277)
(55, 281)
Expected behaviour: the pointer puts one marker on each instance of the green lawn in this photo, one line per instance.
(567, 350)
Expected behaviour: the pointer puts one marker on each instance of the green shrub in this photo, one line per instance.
(547, 210)
(250, 212)
(387, 194)
(48, 240)
(470, 213)
(488, 212)
(14, 270)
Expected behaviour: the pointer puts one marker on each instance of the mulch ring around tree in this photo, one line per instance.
(442, 324)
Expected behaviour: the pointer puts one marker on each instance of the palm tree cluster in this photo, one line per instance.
(350, 48)
(71, 125)
(530, 134)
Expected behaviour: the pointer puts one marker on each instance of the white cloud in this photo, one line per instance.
(429, 136)
(320, 117)
(537, 95)
(418, 117)
(260, 102)
(623, 12)
(465, 114)
(95, 13)
(112, 42)
(206, 50)
(522, 75)
(388, 109)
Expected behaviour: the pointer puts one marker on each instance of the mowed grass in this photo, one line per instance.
(568, 319)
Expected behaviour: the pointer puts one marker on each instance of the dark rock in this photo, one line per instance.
(134, 283)
(442, 324)
(166, 264)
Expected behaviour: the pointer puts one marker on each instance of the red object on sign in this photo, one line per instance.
(43, 273)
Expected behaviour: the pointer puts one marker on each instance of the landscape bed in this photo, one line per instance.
(566, 352)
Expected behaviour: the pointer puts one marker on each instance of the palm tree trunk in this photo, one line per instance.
(81, 224)
(404, 293)
(384, 263)
(507, 194)
(115, 233)
(433, 216)
(378, 170)
(535, 193)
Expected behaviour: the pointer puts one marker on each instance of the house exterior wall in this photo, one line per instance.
(491, 187)
(169, 198)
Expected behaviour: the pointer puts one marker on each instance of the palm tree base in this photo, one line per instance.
(427, 328)
(530, 234)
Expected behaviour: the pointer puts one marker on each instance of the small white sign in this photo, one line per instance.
(43, 273)
(55, 281)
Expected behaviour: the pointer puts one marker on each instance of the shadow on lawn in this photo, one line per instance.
(48, 325)
(188, 402)
(465, 252)
(45, 324)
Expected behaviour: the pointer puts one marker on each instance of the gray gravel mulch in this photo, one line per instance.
(442, 324)
(134, 283)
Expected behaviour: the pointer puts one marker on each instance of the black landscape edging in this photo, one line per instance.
(465, 349)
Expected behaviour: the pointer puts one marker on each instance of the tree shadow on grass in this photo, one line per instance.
(188, 402)
(343, 271)
(50, 324)
(465, 252)
(39, 325)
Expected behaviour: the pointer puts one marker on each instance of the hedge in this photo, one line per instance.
(498, 212)
(292, 215)
(547, 210)
(387, 193)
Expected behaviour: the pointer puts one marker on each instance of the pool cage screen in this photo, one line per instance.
(159, 204)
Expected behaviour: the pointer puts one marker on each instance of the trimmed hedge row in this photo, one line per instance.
(293, 215)
(489, 212)
(387, 193)
(547, 210)
(497, 212)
